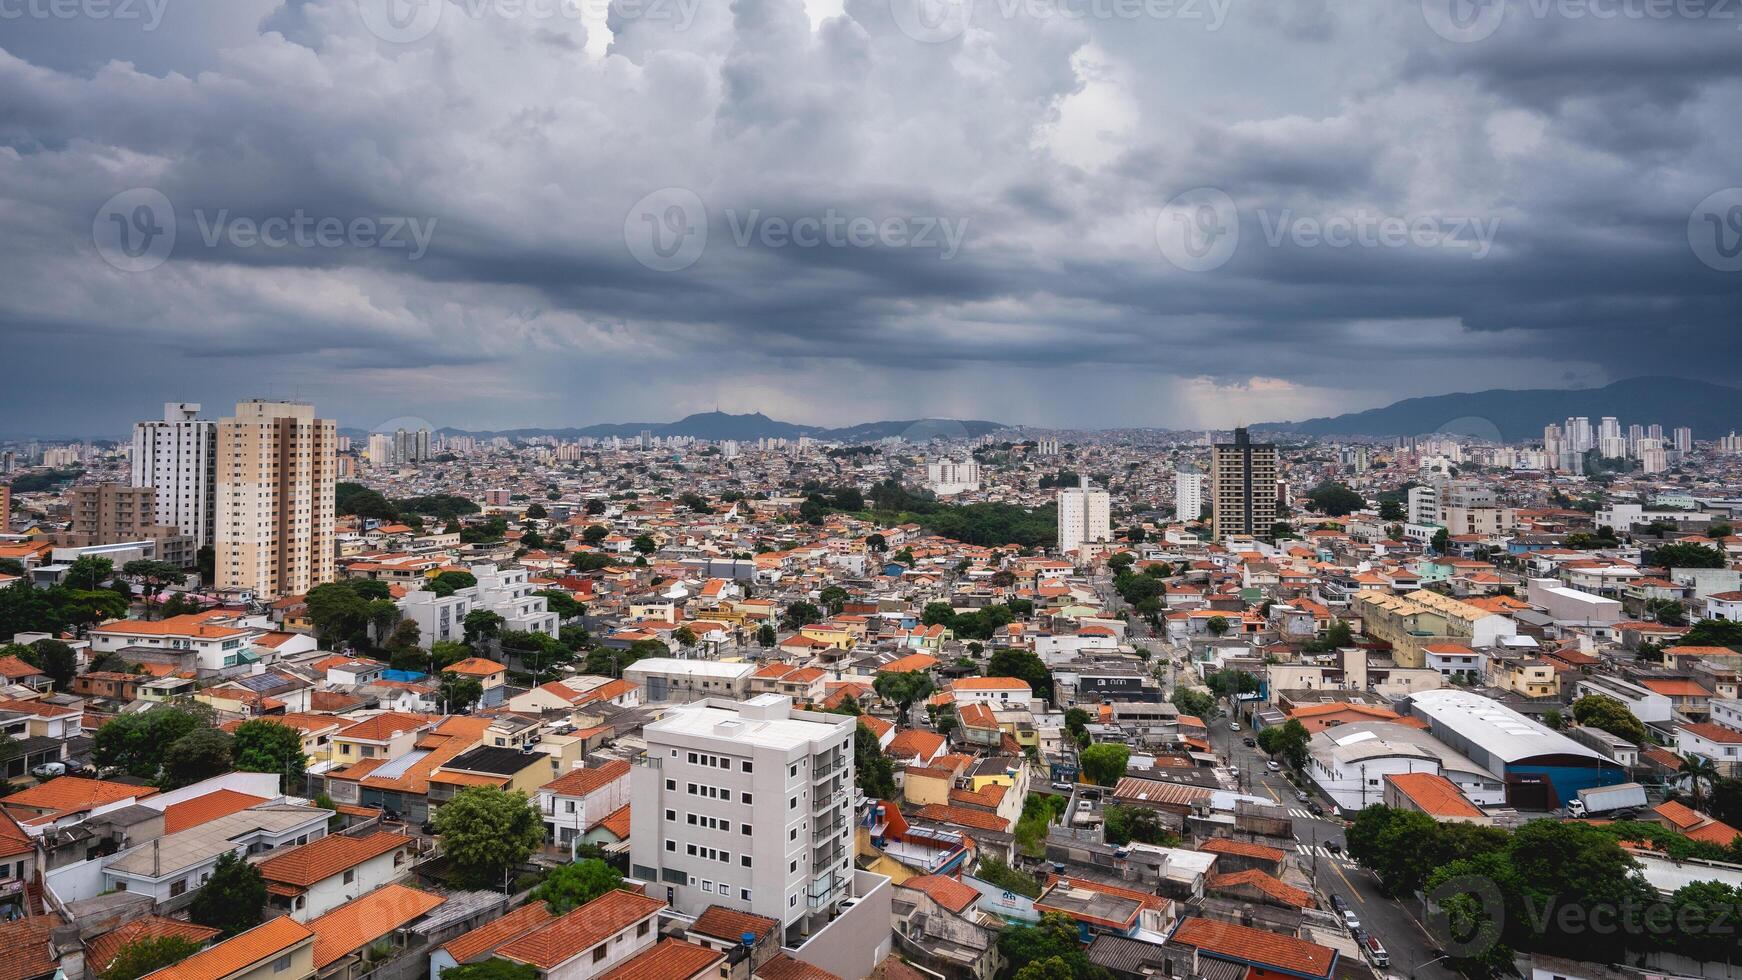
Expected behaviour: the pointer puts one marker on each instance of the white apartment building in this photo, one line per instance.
(275, 479)
(211, 644)
(177, 457)
(748, 805)
(669, 679)
(946, 477)
(507, 592)
(1084, 517)
(1188, 494)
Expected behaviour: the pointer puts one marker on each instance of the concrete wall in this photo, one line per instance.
(858, 939)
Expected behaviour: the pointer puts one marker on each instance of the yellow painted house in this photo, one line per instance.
(839, 637)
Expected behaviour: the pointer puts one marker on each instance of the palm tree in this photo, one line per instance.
(1701, 772)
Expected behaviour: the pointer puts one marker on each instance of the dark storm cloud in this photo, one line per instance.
(1038, 153)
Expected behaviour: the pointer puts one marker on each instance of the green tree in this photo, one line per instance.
(88, 572)
(571, 886)
(1053, 937)
(993, 870)
(1125, 824)
(801, 614)
(563, 604)
(644, 544)
(1334, 499)
(141, 956)
(1024, 666)
(765, 636)
(1701, 773)
(487, 833)
(137, 743)
(1610, 715)
(55, 659)
(1194, 702)
(457, 692)
(1051, 968)
(1217, 625)
(200, 754)
(903, 689)
(232, 898)
(339, 614)
(1713, 633)
(494, 968)
(1688, 555)
(481, 626)
(449, 582)
(873, 773)
(1287, 742)
(153, 577)
(833, 598)
(267, 746)
(1442, 541)
(1104, 764)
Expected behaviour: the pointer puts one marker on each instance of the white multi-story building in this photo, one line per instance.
(177, 457)
(507, 592)
(1084, 517)
(1424, 505)
(1188, 494)
(380, 449)
(947, 477)
(748, 805)
(1684, 439)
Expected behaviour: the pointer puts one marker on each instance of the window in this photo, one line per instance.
(792, 804)
(671, 785)
(745, 798)
(744, 893)
(744, 860)
(178, 888)
(744, 829)
(792, 770)
(671, 816)
(641, 930)
(281, 964)
(747, 766)
(708, 887)
(671, 846)
(350, 875)
(599, 953)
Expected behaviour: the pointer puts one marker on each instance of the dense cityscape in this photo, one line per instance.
(285, 697)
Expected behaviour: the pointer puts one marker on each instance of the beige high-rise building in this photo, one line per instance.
(1242, 487)
(275, 476)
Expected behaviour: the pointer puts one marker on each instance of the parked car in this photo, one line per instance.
(1233, 726)
(1062, 787)
(1351, 920)
(1338, 905)
(1272, 766)
(1334, 846)
(1375, 951)
(49, 770)
(1301, 795)
(1250, 742)
(1314, 808)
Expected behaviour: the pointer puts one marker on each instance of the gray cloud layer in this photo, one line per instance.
(1050, 143)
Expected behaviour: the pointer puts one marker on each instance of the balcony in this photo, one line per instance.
(827, 767)
(826, 854)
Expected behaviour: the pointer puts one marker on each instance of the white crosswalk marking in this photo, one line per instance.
(1299, 814)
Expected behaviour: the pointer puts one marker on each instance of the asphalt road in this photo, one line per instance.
(1398, 927)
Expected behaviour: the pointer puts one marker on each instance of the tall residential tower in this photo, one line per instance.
(1243, 487)
(177, 458)
(275, 479)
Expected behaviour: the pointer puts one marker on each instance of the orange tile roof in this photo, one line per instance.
(1704, 729)
(988, 684)
(321, 859)
(961, 816)
(580, 782)
(946, 891)
(202, 809)
(783, 967)
(1678, 687)
(720, 922)
(1240, 848)
(266, 941)
(476, 666)
(1434, 794)
(26, 943)
(1264, 883)
(356, 924)
(382, 727)
(617, 822)
(100, 952)
(580, 930)
(483, 940)
(1243, 944)
(75, 793)
(669, 959)
(14, 669)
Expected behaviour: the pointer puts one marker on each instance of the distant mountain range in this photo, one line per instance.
(715, 426)
(1515, 415)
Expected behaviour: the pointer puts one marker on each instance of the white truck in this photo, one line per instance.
(1607, 799)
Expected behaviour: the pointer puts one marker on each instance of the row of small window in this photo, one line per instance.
(710, 853)
(714, 761)
(711, 792)
(672, 876)
(706, 822)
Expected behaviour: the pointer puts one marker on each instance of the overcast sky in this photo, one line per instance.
(1056, 212)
